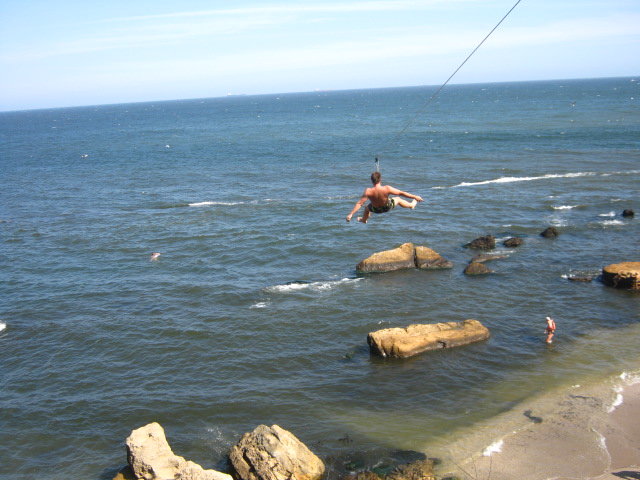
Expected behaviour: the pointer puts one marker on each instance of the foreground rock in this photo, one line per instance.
(550, 232)
(150, 458)
(622, 275)
(418, 338)
(272, 453)
(405, 256)
(477, 268)
(488, 242)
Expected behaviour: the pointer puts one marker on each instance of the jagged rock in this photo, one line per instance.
(550, 232)
(125, 474)
(272, 453)
(428, 259)
(513, 242)
(622, 275)
(396, 259)
(627, 212)
(150, 458)
(405, 256)
(488, 242)
(477, 268)
(414, 339)
(484, 257)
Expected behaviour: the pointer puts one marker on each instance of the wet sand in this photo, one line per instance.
(583, 433)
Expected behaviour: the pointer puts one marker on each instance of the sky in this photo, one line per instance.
(57, 53)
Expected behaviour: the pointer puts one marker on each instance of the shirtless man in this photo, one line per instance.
(379, 199)
(550, 330)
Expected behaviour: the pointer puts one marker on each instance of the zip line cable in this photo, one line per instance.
(422, 110)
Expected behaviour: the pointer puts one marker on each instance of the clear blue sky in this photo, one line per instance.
(65, 53)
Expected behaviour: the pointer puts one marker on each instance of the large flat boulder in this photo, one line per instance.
(414, 339)
(405, 256)
(150, 458)
(622, 275)
(273, 453)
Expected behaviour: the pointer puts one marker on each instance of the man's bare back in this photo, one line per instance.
(380, 200)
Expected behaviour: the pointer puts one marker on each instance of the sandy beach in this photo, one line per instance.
(589, 432)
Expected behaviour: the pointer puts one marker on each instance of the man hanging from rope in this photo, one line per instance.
(379, 199)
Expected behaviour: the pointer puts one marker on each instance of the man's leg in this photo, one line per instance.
(365, 217)
(403, 203)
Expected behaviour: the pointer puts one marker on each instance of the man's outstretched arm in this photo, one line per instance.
(395, 191)
(357, 207)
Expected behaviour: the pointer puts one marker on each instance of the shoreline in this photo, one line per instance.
(587, 432)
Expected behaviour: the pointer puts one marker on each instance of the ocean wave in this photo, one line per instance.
(2, 326)
(564, 207)
(318, 286)
(204, 204)
(607, 223)
(260, 305)
(540, 177)
(609, 214)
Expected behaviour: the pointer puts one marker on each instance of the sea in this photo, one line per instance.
(253, 312)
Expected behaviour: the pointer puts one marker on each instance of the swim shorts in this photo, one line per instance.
(385, 208)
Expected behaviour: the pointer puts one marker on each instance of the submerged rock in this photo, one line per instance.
(414, 339)
(622, 275)
(513, 242)
(485, 257)
(273, 453)
(488, 242)
(550, 232)
(405, 256)
(150, 458)
(477, 268)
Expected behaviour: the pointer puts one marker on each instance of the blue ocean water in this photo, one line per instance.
(253, 312)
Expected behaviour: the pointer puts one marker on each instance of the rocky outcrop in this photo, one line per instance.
(150, 458)
(477, 268)
(622, 275)
(627, 212)
(513, 242)
(428, 259)
(414, 339)
(405, 256)
(272, 453)
(550, 232)
(488, 242)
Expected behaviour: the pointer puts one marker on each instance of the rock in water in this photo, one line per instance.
(428, 259)
(418, 338)
(150, 458)
(477, 268)
(622, 275)
(272, 453)
(550, 232)
(488, 242)
(513, 242)
(396, 259)
(627, 212)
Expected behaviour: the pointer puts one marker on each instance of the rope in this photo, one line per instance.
(422, 110)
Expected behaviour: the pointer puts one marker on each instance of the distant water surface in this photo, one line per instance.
(253, 312)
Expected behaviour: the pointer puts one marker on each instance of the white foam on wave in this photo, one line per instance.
(564, 207)
(260, 305)
(495, 447)
(609, 214)
(612, 222)
(540, 177)
(204, 204)
(2, 326)
(318, 286)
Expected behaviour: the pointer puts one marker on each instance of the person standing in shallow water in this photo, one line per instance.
(380, 200)
(550, 330)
